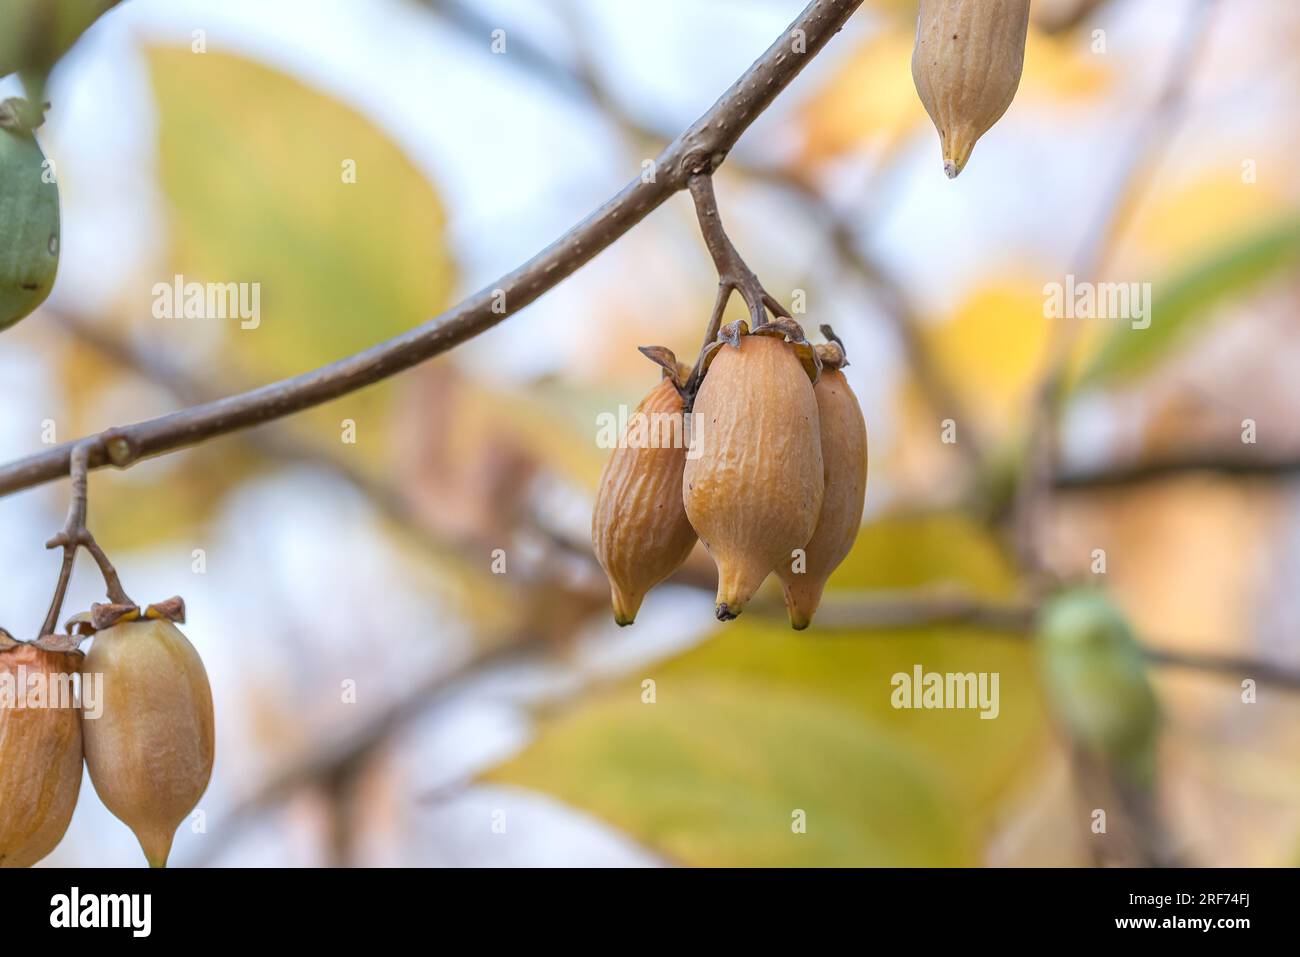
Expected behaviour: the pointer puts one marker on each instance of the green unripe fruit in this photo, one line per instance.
(29, 226)
(35, 33)
(1096, 681)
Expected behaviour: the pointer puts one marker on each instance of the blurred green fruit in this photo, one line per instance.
(29, 226)
(35, 33)
(1096, 682)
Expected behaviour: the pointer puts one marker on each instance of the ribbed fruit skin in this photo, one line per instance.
(40, 762)
(966, 64)
(639, 528)
(844, 460)
(754, 492)
(150, 753)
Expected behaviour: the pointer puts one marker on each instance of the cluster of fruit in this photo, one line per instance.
(143, 727)
(772, 475)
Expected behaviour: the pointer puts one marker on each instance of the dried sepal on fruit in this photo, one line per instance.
(40, 748)
(966, 64)
(29, 212)
(844, 461)
(753, 485)
(639, 528)
(150, 751)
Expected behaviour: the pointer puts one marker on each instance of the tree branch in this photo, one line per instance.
(701, 149)
(1227, 462)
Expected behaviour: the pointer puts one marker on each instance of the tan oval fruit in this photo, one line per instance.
(966, 65)
(40, 753)
(844, 461)
(639, 528)
(754, 489)
(150, 752)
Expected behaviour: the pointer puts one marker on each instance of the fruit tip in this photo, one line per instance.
(726, 614)
(951, 169)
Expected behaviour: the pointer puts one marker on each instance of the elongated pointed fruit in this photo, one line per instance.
(753, 488)
(966, 64)
(150, 752)
(844, 468)
(639, 528)
(40, 750)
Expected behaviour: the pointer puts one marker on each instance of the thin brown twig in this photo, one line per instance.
(925, 608)
(701, 149)
(1225, 462)
(734, 275)
(74, 535)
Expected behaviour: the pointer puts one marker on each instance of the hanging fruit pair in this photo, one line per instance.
(144, 728)
(772, 476)
(966, 64)
(29, 216)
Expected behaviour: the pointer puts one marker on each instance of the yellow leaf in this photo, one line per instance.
(992, 348)
(1183, 219)
(758, 722)
(273, 183)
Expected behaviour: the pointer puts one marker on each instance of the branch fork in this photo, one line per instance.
(75, 535)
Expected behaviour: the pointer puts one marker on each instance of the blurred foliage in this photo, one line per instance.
(253, 163)
(1232, 270)
(992, 348)
(35, 33)
(755, 723)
